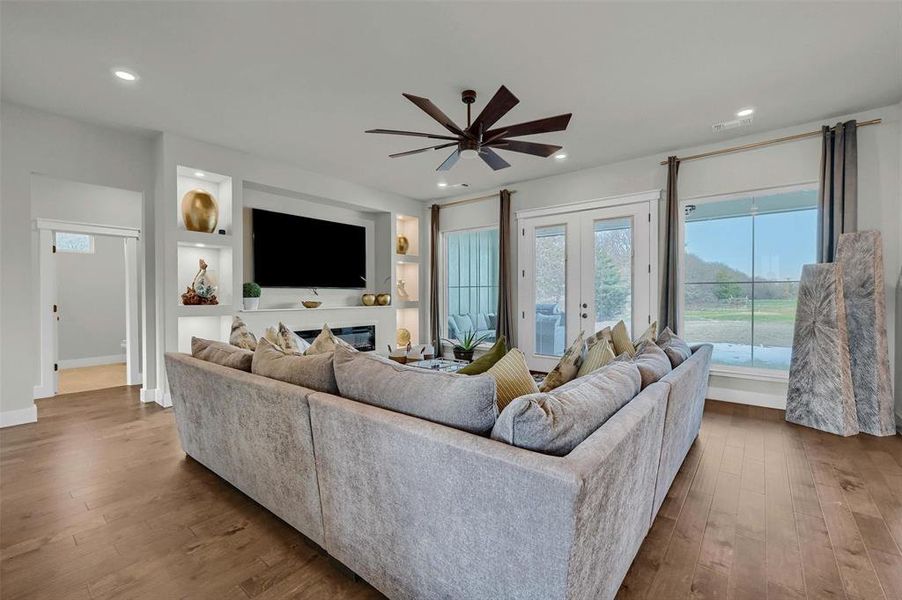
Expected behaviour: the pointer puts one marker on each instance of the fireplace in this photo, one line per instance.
(362, 337)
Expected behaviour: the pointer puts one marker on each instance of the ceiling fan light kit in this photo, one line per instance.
(478, 139)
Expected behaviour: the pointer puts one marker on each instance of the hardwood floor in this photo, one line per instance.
(83, 379)
(97, 500)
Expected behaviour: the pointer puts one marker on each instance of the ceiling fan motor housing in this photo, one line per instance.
(468, 96)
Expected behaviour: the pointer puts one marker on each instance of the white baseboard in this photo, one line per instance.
(150, 395)
(747, 397)
(42, 391)
(91, 361)
(11, 418)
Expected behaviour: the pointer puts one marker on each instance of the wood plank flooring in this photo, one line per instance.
(97, 500)
(83, 379)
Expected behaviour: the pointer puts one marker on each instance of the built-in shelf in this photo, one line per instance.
(204, 310)
(321, 308)
(406, 304)
(199, 239)
(407, 259)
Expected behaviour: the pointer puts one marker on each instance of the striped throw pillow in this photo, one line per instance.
(598, 355)
(512, 378)
(622, 341)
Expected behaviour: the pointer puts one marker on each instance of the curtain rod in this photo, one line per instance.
(788, 138)
(476, 199)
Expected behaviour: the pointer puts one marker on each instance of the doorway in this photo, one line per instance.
(582, 268)
(89, 307)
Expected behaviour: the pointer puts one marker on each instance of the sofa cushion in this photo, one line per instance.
(674, 347)
(566, 368)
(652, 362)
(463, 323)
(313, 371)
(484, 362)
(460, 401)
(557, 422)
(512, 378)
(596, 356)
(221, 353)
(240, 336)
(649, 334)
(481, 322)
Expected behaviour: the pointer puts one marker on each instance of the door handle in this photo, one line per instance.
(585, 316)
(585, 305)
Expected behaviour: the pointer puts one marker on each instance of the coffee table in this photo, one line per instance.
(444, 365)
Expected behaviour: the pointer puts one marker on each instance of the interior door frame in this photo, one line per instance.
(49, 338)
(526, 221)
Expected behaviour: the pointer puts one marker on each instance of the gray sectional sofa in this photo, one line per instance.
(422, 510)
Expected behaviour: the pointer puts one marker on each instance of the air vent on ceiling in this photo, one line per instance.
(734, 124)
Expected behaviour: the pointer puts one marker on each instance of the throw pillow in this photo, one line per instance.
(512, 378)
(327, 342)
(482, 323)
(596, 356)
(621, 339)
(314, 372)
(484, 362)
(221, 353)
(464, 324)
(240, 336)
(652, 363)
(557, 422)
(567, 368)
(466, 403)
(648, 335)
(601, 334)
(674, 347)
(282, 337)
(302, 344)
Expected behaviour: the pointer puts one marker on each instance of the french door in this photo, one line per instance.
(582, 271)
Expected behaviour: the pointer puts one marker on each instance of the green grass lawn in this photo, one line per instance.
(774, 321)
(782, 310)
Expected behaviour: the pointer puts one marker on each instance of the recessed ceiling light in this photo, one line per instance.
(745, 112)
(442, 184)
(560, 156)
(200, 245)
(198, 174)
(125, 75)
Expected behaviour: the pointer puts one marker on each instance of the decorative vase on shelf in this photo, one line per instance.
(403, 244)
(200, 211)
(368, 299)
(403, 337)
(251, 303)
(383, 299)
(251, 292)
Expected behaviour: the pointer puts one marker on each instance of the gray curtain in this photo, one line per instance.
(668, 316)
(504, 325)
(838, 200)
(435, 329)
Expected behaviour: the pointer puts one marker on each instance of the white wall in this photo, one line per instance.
(880, 185)
(91, 294)
(35, 142)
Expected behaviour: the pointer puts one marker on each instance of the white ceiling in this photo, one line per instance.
(302, 81)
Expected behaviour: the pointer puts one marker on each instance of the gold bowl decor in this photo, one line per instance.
(200, 211)
(368, 299)
(311, 303)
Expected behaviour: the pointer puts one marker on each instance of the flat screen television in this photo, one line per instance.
(293, 251)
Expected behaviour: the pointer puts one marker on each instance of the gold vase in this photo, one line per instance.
(403, 244)
(200, 211)
(383, 299)
(368, 299)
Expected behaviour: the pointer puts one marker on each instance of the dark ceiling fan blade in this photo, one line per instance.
(435, 112)
(497, 107)
(533, 148)
(546, 125)
(413, 133)
(450, 161)
(492, 159)
(409, 152)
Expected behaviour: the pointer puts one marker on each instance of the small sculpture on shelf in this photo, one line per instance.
(384, 298)
(402, 290)
(200, 211)
(403, 244)
(202, 290)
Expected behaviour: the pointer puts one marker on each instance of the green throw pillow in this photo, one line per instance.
(485, 362)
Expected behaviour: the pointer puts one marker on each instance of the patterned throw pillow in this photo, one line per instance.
(282, 338)
(326, 342)
(512, 378)
(597, 355)
(674, 347)
(567, 368)
(485, 362)
(648, 335)
(621, 340)
(240, 336)
(602, 334)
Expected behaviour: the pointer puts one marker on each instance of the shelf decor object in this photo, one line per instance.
(251, 295)
(403, 244)
(202, 290)
(200, 211)
(368, 299)
(820, 378)
(860, 255)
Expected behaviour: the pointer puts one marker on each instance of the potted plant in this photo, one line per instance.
(251, 292)
(466, 345)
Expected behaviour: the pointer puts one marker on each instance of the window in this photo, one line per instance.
(471, 293)
(75, 243)
(743, 258)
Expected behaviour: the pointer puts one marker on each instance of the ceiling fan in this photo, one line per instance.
(478, 139)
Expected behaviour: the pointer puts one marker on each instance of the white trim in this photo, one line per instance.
(790, 187)
(74, 227)
(91, 361)
(150, 395)
(747, 397)
(42, 391)
(606, 202)
(11, 418)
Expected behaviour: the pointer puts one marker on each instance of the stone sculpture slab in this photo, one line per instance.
(820, 378)
(860, 255)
